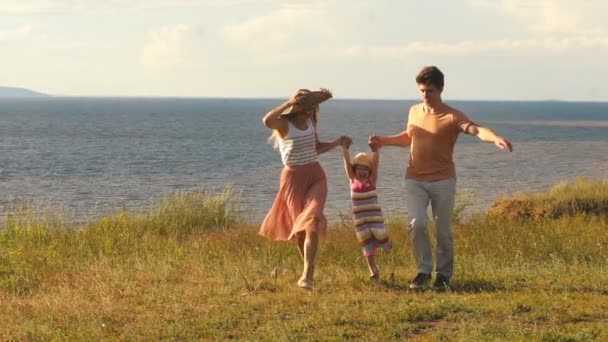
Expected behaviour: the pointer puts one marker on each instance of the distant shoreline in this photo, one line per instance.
(16, 92)
(20, 92)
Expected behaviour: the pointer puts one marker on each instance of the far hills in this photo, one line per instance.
(19, 92)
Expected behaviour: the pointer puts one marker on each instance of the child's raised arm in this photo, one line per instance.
(375, 162)
(348, 168)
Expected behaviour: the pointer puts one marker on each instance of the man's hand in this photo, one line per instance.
(503, 144)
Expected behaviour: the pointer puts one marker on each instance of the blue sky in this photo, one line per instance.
(488, 49)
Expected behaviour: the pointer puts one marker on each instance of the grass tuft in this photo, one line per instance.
(581, 197)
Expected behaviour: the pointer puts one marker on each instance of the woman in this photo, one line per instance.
(297, 210)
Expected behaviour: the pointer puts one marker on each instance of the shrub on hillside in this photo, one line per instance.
(563, 200)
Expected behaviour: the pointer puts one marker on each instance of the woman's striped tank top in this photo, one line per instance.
(299, 146)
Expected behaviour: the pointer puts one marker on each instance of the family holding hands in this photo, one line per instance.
(431, 132)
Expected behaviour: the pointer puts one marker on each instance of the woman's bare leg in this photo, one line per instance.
(311, 243)
(301, 239)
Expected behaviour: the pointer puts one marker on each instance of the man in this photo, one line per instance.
(432, 130)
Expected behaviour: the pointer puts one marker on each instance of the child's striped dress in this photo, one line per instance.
(367, 214)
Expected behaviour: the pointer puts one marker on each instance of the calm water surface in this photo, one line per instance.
(94, 156)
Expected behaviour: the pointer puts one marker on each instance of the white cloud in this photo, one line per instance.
(548, 17)
(292, 25)
(20, 32)
(463, 48)
(62, 6)
(555, 26)
(542, 46)
(172, 46)
(40, 6)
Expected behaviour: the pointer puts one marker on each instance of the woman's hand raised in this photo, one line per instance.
(296, 99)
(327, 91)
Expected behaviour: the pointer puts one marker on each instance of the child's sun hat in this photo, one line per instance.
(363, 159)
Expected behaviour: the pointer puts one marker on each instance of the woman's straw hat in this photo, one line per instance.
(363, 159)
(308, 99)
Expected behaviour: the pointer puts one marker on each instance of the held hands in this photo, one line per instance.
(345, 141)
(503, 144)
(374, 142)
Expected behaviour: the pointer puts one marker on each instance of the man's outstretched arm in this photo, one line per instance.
(402, 139)
(488, 135)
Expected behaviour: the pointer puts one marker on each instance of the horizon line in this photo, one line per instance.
(45, 95)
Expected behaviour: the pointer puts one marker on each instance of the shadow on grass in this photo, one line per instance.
(468, 286)
(476, 286)
(393, 284)
(582, 289)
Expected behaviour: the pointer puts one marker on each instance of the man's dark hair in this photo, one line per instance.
(430, 75)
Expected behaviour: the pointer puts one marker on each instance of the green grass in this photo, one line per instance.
(192, 268)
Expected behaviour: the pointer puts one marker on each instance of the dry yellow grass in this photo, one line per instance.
(192, 269)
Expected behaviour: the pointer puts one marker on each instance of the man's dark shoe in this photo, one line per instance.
(441, 283)
(421, 282)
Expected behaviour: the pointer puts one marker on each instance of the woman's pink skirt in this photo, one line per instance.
(299, 204)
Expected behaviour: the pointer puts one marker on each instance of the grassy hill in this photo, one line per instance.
(193, 269)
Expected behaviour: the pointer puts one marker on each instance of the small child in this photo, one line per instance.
(367, 214)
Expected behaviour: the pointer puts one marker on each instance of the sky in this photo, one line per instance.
(487, 49)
